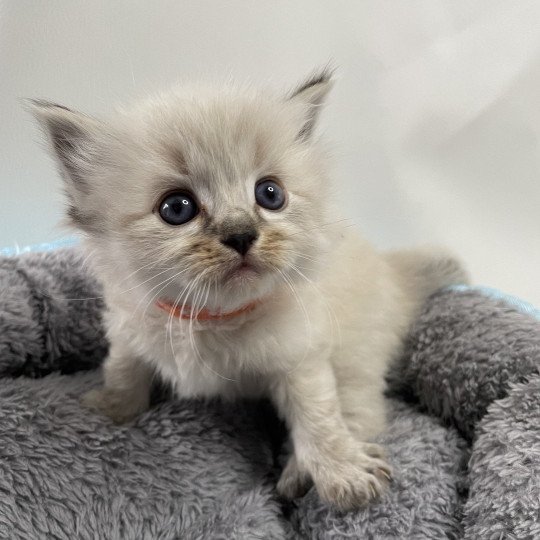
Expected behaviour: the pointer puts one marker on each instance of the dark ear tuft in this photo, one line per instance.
(77, 143)
(312, 93)
(44, 104)
(324, 76)
(73, 140)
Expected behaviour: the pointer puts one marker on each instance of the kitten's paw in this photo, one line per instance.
(293, 482)
(373, 450)
(120, 407)
(348, 486)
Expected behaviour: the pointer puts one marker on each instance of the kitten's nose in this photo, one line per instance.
(240, 242)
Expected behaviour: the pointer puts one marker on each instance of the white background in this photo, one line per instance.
(435, 120)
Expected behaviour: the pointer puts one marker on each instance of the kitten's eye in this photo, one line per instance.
(178, 208)
(269, 194)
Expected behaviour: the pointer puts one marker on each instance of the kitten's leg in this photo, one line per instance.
(344, 472)
(359, 368)
(364, 410)
(128, 382)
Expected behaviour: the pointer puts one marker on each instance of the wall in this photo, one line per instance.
(434, 121)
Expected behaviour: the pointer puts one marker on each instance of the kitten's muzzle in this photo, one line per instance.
(240, 242)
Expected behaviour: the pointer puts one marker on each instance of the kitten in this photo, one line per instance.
(228, 271)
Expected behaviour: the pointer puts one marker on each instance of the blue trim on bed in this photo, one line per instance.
(46, 246)
(490, 292)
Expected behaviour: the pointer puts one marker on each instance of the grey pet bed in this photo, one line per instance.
(464, 439)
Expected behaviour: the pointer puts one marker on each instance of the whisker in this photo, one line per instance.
(196, 349)
(88, 257)
(307, 319)
(170, 319)
(168, 325)
(58, 297)
(330, 311)
(322, 225)
(207, 289)
(138, 270)
(161, 286)
(166, 282)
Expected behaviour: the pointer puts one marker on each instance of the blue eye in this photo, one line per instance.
(269, 194)
(178, 208)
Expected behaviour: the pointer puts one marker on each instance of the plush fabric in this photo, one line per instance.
(463, 353)
(465, 388)
(504, 499)
(50, 314)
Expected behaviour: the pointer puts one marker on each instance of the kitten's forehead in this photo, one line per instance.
(216, 147)
(221, 137)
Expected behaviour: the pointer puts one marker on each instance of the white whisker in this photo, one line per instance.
(186, 290)
(307, 319)
(330, 311)
(194, 345)
(323, 225)
(166, 282)
(57, 297)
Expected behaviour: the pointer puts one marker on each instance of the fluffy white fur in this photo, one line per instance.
(333, 311)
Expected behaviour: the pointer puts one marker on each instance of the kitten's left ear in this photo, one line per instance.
(75, 140)
(312, 93)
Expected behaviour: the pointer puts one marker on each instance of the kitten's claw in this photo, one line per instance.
(385, 474)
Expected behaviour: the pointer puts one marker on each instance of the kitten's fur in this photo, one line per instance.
(333, 310)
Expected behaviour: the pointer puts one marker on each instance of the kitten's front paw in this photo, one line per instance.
(293, 482)
(350, 485)
(120, 407)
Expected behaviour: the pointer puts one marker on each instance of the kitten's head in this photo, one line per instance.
(216, 195)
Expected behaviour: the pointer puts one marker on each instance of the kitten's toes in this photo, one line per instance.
(120, 407)
(373, 450)
(353, 485)
(293, 483)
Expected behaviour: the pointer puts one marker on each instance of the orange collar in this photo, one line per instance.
(204, 314)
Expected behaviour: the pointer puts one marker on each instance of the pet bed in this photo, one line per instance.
(464, 438)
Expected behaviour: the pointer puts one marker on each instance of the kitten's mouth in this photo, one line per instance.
(244, 271)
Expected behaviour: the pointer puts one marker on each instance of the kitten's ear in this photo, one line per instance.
(312, 93)
(75, 140)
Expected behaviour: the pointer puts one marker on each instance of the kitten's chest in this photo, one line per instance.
(239, 358)
(203, 363)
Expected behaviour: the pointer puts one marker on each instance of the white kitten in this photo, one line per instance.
(228, 271)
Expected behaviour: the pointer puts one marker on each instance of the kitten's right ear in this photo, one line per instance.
(312, 94)
(74, 139)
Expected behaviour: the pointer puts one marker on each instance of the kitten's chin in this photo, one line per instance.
(247, 281)
(245, 273)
